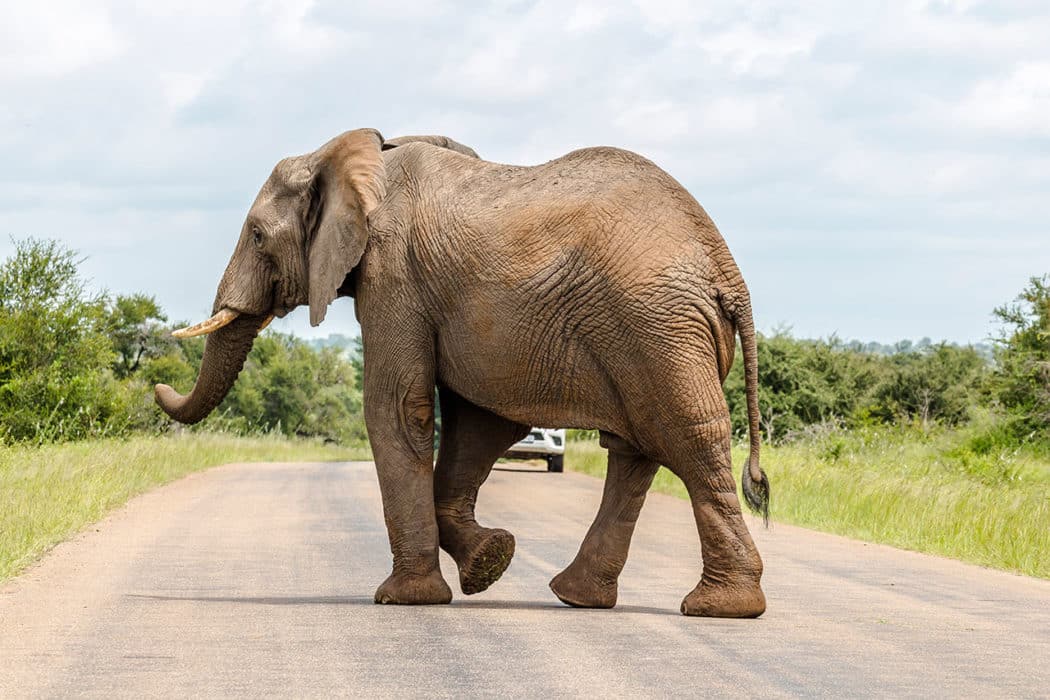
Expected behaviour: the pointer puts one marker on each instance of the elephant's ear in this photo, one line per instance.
(349, 182)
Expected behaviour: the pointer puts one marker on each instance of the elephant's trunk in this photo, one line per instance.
(224, 354)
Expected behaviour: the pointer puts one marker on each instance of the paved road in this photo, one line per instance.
(253, 580)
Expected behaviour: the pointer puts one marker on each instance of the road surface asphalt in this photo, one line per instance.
(257, 579)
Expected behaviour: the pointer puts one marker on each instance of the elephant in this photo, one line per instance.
(592, 291)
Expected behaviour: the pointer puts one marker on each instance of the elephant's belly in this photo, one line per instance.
(556, 384)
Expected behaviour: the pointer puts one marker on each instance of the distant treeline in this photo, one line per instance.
(985, 350)
(75, 364)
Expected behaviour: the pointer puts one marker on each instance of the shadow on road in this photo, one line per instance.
(262, 600)
(523, 471)
(537, 467)
(367, 600)
(556, 606)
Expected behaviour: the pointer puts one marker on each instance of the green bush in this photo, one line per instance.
(136, 327)
(807, 383)
(55, 358)
(939, 384)
(288, 387)
(76, 365)
(801, 383)
(1021, 381)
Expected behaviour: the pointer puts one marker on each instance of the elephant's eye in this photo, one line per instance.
(257, 237)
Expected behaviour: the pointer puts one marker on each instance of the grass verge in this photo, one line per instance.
(950, 493)
(49, 493)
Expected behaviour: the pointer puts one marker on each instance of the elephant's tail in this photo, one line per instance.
(754, 481)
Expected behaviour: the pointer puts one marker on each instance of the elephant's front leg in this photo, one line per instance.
(399, 413)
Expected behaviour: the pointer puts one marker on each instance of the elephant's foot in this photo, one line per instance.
(732, 599)
(574, 587)
(414, 589)
(486, 560)
(481, 553)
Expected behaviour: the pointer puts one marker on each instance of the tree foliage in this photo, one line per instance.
(136, 326)
(809, 382)
(938, 384)
(1022, 375)
(801, 382)
(54, 353)
(75, 364)
(288, 386)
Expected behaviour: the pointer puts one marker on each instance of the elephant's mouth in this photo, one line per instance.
(223, 317)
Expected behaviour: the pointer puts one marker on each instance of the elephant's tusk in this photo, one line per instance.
(223, 318)
(267, 321)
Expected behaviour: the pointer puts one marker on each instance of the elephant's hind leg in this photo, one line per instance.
(472, 439)
(590, 581)
(729, 586)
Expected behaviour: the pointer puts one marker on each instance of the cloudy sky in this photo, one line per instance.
(881, 170)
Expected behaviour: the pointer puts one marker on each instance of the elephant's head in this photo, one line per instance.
(304, 233)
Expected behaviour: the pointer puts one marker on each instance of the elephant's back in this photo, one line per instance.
(598, 213)
(601, 193)
(594, 174)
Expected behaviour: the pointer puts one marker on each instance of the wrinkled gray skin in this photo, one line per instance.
(591, 291)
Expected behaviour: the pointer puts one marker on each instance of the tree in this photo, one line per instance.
(1022, 354)
(802, 382)
(807, 382)
(55, 382)
(356, 352)
(935, 383)
(137, 328)
(287, 385)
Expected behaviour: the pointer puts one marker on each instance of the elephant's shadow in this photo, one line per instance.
(535, 605)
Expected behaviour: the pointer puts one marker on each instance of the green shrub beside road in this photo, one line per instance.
(49, 493)
(78, 365)
(53, 350)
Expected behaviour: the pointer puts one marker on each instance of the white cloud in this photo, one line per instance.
(653, 122)
(1018, 104)
(51, 39)
(181, 88)
(759, 52)
(587, 16)
(499, 70)
(302, 37)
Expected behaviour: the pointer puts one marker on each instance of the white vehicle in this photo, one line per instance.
(548, 443)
